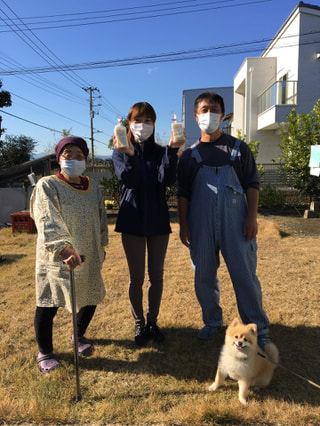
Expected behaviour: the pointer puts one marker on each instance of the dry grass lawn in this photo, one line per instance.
(163, 384)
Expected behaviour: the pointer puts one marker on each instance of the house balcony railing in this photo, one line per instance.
(280, 93)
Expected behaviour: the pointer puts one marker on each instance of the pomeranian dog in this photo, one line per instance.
(240, 361)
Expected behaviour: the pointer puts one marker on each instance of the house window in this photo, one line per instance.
(282, 90)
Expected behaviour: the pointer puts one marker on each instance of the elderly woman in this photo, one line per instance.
(70, 217)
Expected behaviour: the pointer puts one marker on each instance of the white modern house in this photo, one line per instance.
(266, 88)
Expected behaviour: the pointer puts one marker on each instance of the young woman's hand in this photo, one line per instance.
(177, 144)
(129, 150)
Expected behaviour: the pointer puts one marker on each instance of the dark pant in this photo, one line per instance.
(135, 249)
(43, 324)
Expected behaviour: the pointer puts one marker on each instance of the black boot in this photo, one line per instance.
(140, 335)
(153, 332)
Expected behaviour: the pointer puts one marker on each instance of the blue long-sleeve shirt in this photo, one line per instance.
(217, 154)
(143, 179)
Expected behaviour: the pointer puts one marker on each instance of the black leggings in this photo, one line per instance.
(43, 324)
(135, 249)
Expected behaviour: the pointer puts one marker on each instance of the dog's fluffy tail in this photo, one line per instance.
(272, 352)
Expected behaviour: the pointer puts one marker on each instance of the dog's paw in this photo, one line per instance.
(213, 387)
(243, 401)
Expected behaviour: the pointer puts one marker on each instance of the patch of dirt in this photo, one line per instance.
(289, 222)
(295, 225)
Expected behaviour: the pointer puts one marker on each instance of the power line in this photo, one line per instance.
(53, 88)
(120, 10)
(42, 83)
(199, 53)
(18, 23)
(38, 49)
(31, 122)
(158, 57)
(47, 109)
(35, 47)
(110, 107)
(45, 127)
(153, 14)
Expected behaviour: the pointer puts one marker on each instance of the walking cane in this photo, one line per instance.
(75, 333)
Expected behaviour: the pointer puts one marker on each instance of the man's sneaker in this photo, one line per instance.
(207, 332)
(263, 340)
(154, 332)
(140, 335)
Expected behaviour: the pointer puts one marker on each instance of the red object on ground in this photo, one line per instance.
(21, 221)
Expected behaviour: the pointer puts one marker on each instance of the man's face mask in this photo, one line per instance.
(209, 122)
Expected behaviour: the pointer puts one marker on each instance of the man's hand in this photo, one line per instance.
(183, 207)
(185, 235)
(250, 228)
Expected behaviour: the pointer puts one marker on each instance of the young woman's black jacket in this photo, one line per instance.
(143, 179)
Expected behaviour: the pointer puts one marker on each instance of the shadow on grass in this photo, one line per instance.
(7, 259)
(299, 349)
(184, 357)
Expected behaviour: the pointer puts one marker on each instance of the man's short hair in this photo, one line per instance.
(210, 96)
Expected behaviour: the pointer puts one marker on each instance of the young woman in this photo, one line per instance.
(70, 217)
(144, 170)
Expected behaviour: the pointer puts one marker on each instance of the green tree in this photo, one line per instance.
(5, 101)
(254, 147)
(16, 150)
(111, 185)
(297, 135)
(66, 132)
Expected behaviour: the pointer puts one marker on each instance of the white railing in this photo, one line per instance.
(280, 93)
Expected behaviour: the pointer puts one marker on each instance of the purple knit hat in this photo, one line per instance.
(74, 140)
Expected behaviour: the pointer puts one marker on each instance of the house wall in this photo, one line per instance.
(249, 82)
(13, 200)
(308, 64)
(292, 52)
(285, 48)
(189, 96)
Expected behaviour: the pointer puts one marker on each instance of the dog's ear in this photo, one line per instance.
(253, 328)
(235, 322)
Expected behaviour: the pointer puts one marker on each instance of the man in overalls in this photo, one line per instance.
(218, 192)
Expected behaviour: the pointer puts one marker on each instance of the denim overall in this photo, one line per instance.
(217, 211)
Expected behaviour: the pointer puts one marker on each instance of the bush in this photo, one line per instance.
(111, 185)
(271, 198)
(109, 204)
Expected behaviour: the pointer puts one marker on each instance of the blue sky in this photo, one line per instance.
(93, 35)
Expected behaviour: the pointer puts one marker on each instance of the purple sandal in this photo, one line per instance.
(47, 363)
(85, 347)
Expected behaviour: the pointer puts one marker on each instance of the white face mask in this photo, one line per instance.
(141, 131)
(208, 122)
(73, 168)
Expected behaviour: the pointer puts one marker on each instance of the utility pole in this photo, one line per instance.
(92, 112)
